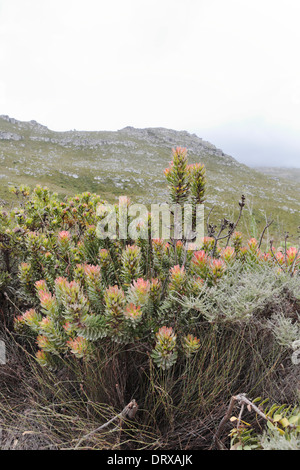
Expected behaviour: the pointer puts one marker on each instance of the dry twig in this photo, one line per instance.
(129, 411)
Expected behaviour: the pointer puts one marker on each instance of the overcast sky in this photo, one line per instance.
(228, 70)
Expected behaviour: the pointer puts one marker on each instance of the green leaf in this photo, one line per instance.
(256, 400)
(271, 425)
(294, 419)
(284, 422)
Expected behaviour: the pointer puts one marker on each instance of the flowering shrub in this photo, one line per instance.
(82, 289)
(186, 328)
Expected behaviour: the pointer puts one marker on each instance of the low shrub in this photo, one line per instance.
(179, 330)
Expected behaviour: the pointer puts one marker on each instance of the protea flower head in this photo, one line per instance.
(31, 318)
(280, 257)
(41, 355)
(291, 255)
(18, 321)
(140, 291)
(190, 344)
(92, 273)
(46, 324)
(48, 301)
(177, 176)
(41, 286)
(227, 254)
(166, 338)
(61, 284)
(164, 353)
(200, 258)
(218, 268)
(133, 313)
(177, 278)
(197, 173)
(42, 358)
(159, 248)
(253, 244)
(157, 243)
(43, 343)
(114, 300)
(63, 237)
(79, 347)
(199, 263)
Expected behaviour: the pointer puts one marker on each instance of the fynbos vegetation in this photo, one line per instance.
(98, 323)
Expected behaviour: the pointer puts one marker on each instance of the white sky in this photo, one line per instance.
(228, 70)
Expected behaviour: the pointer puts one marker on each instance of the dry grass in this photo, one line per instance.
(178, 409)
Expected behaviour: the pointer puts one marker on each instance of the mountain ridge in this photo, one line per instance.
(129, 130)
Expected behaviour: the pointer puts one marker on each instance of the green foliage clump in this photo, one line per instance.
(281, 429)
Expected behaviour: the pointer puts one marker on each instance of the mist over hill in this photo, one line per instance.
(281, 173)
(131, 161)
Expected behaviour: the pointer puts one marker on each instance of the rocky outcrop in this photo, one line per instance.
(10, 136)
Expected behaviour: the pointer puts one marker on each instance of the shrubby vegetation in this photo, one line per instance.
(180, 331)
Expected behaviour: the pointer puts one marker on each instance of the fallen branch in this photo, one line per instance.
(129, 411)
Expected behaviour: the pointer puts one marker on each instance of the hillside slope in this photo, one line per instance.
(281, 173)
(131, 162)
